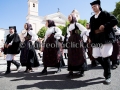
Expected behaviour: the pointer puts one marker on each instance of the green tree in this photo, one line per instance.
(83, 22)
(116, 12)
(62, 29)
(41, 32)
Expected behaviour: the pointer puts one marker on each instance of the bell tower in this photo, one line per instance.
(33, 7)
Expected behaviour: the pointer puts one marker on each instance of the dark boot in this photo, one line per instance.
(100, 61)
(26, 69)
(40, 55)
(70, 74)
(8, 67)
(94, 63)
(59, 67)
(114, 64)
(81, 73)
(118, 62)
(44, 71)
(107, 70)
(16, 64)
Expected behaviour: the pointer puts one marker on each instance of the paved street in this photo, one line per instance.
(93, 79)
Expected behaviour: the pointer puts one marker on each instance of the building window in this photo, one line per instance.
(33, 5)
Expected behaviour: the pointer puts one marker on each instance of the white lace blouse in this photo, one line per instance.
(80, 27)
(51, 30)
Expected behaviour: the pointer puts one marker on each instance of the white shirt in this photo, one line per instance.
(33, 34)
(96, 15)
(80, 27)
(12, 40)
(86, 35)
(51, 30)
(117, 32)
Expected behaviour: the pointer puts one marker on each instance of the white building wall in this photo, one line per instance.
(3, 33)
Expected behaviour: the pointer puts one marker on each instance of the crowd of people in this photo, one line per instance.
(99, 39)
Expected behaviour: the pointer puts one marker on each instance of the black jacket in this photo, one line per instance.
(109, 21)
(14, 48)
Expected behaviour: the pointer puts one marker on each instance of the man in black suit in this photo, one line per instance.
(102, 36)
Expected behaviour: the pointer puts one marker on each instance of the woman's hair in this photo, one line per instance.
(29, 26)
(51, 23)
(73, 18)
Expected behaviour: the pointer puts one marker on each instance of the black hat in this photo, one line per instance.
(14, 27)
(95, 2)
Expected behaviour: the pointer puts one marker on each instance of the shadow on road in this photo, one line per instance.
(52, 81)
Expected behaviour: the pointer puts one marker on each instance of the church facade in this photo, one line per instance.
(38, 21)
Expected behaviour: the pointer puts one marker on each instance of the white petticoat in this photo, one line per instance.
(9, 57)
(65, 51)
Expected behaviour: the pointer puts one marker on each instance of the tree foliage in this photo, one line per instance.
(83, 22)
(41, 32)
(116, 12)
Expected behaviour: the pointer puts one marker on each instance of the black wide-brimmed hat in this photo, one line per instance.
(14, 27)
(95, 2)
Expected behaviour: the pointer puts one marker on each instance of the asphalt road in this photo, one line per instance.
(93, 79)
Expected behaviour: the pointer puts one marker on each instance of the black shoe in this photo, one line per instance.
(16, 64)
(18, 67)
(59, 70)
(81, 74)
(107, 81)
(27, 71)
(8, 67)
(114, 66)
(44, 72)
(7, 72)
(70, 75)
(94, 64)
(118, 62)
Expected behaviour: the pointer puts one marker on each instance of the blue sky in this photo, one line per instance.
(14, 12)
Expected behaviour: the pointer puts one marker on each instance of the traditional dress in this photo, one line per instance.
(28, 56)
(115, 54)
(50, 53)
(102, 39)
(76, 55)
(13, 40)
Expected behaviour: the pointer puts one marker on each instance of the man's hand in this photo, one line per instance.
(89, 41)
(48, 36)
(101, 28)
(5, 45)
(8, 45)
(42, 49)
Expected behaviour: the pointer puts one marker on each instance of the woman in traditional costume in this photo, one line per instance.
(52, 49)
(28, 56)
(76, 55)
(115, 54)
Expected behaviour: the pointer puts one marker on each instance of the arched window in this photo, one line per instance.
(33, 5)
